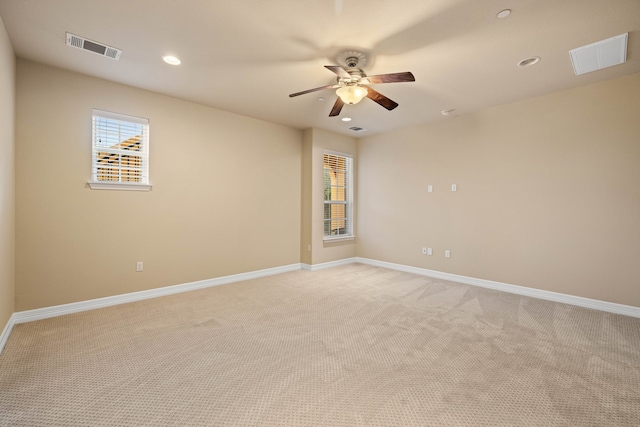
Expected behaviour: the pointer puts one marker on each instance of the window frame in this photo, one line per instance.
(348, 203)
(144, 184)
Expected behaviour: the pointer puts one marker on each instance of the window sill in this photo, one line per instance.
(338, 239)
(119, 186)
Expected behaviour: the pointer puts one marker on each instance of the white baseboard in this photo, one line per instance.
(76, 307)
(7, 331)
(609, 307)
(315, 267)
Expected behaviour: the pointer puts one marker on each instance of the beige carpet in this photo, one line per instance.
(348, 346)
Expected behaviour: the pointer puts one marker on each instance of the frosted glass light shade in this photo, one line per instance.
(351, 94)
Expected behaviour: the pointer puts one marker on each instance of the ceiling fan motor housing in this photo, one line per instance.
(355, 75)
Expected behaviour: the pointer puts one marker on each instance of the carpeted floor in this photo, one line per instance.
(349, 346)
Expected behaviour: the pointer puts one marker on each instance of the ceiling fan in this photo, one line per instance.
(353, 84)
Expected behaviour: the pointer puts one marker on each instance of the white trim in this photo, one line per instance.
(609, 307)
(315, 267)
(119, 186)
(338, 153)
(76, 307)
(329, 239)
(7, 331)
(119, 116)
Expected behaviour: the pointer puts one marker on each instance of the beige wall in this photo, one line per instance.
(548, 193)
(306, 237)
(327, 251)
(7, 172)
(225, 199)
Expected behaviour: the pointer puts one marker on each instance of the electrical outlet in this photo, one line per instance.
(447, 253)
(424, 251)
(139, 266)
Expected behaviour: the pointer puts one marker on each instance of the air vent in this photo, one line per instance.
(357, 129)
(599, 55)
(92, 46)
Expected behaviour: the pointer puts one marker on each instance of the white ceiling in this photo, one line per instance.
(246, 56)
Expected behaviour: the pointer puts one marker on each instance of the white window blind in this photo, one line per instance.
(120, 152)
(338, 195)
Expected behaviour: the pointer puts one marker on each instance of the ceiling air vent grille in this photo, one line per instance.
(357, 129)
(599, 55)
(92, 46)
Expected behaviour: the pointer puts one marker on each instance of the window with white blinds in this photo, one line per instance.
(338, 195)
(120, 153)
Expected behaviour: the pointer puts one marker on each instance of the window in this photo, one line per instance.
(120, 153)
(338, 195)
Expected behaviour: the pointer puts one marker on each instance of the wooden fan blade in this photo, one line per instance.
(313, 90)
(337, 107)
(338, 70)
(391, 78)
(381, 99)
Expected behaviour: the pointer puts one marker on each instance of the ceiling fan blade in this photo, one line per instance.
(338, 70)
(337, 107)
(391, 78)
(313, 90)
(381, 99)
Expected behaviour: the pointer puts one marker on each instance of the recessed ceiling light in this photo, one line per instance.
(321, 99)
(171, 60)
(529, 61)
(503, 13)
(447, 112)
(346, 119)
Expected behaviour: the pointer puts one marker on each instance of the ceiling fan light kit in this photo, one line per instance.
(353, 84)
(351, 94)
